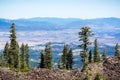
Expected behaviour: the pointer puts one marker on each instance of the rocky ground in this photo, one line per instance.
(110, 69)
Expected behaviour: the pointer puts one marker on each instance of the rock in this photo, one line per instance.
(111, 68)
(6, 74)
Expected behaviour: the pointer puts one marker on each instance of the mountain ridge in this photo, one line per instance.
(39, 23)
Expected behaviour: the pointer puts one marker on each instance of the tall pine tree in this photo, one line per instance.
(2, 63)
(42, 60)
(64, 56)
(23, 61)
(27, 55)
(60, 66)
(11, 53)
(14, 49)
(6, 54)
(104, 54)
(90, 57)
(84, 35)
(96, 52)
(69, 59)
(66, 60)
(24, 56)
(48, 56)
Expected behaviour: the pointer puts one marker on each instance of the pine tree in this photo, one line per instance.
(64, 56)
(2, 60)
(90, 56)
(27, 55)
(18, 57)
(42, 60)
(14, 49)
(104, 54)
(48, 56)
(23, 61)
(6, 54)
(69, 59)
(117, 52)
(60, 64)
(66, 60)
(84, 35)
(96, 53)
(99, 57)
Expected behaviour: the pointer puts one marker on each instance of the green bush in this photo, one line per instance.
(97, 77)
(25, 70)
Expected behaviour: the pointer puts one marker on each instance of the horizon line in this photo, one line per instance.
(57, 17)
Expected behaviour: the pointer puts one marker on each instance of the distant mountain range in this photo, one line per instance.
(57, 23)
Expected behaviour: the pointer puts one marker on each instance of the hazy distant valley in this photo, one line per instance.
(38, 31)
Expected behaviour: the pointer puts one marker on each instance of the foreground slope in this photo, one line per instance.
(109, 69)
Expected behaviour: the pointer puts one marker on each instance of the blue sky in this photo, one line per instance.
(85, 9)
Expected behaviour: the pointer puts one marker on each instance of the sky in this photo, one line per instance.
(84, 9)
